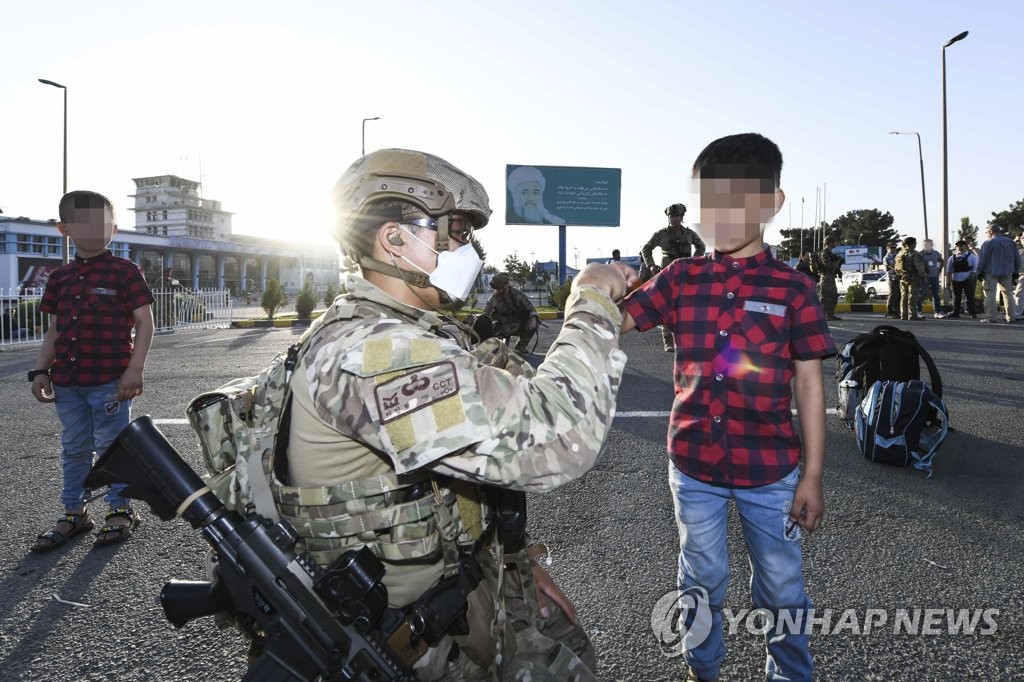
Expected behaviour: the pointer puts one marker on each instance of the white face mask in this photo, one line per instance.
(456, 270)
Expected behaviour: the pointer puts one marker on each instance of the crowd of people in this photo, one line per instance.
(996, 265)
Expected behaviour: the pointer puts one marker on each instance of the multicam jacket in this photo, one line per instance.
(675, 243)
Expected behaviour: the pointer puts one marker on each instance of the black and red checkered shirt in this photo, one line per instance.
(93, 299)
(738, 325)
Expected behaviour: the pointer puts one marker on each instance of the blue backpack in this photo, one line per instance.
(901, 423)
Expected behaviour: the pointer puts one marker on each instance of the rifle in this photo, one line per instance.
(313, 623)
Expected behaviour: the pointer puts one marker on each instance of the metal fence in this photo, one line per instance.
(21, 322)
(180, 309)
(20, 319)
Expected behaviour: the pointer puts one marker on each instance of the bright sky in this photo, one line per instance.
(270, 97)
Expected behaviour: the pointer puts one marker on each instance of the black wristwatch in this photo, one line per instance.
(33, 373)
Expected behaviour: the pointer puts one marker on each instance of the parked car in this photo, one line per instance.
(876, 283)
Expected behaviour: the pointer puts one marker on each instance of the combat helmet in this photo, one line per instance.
(676, 209)
(369, 191)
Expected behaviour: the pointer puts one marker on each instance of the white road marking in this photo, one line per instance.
(167, 422)
(652, 413)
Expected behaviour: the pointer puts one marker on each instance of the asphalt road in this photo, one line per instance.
(892, 539)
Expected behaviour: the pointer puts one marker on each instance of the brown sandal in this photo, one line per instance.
(112, 533)
(67, 527)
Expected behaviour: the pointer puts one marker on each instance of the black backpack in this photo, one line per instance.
(885, 353)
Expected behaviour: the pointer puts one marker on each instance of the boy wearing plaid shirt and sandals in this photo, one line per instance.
(88, 365)
(745, 325)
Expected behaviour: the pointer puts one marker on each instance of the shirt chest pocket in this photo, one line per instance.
(764, 326)
(101, 300)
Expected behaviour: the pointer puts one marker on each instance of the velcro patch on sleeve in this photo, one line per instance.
(415, 390)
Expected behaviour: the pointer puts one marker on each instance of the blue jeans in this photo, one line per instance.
(91, 418)
(776, 581)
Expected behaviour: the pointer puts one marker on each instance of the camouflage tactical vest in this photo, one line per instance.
(417, 518)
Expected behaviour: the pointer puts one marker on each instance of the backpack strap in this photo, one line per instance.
(931, 441)
(273, 447)
(933, 371)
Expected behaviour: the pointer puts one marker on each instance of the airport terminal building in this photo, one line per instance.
(179, 236)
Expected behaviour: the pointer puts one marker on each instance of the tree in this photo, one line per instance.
(1011, 220)
(967, 231)
(517, 271)
(791, 242)
(866, 226)
(305, 302)
(272, 297)
(329, 295)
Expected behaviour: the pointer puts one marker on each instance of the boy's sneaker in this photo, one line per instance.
(691, 676)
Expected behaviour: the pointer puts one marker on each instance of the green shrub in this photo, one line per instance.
(273, 298)
(558, 294)
(305, 302)
(330, 295)
(856, 294)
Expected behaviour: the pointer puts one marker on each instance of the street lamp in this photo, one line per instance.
(920, 158)
(375, 118)
(858, 238)
(67, 246)
(945, 160)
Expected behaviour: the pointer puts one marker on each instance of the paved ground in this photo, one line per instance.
(892, 539)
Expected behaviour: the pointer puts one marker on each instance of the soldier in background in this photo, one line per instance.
(511, 313)
(829, 269)
(405, 442)
(892, 307)
(911, 271)
(804, 265)
(675, 241)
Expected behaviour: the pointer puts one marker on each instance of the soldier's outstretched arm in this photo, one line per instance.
(541, 432)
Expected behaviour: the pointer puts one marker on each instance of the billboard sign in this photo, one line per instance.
(562, 195)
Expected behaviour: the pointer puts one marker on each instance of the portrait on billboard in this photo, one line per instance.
(526, 186)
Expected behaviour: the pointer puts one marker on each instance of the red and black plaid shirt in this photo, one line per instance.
(93, 299)
(738, 325)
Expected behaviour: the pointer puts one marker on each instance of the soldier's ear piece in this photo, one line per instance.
(395, 240)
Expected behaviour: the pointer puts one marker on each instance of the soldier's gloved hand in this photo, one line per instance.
(615, 279)
(1014, 277)
(548, 590)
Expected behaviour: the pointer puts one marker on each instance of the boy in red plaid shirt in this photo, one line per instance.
(88, 365)
(744, 326)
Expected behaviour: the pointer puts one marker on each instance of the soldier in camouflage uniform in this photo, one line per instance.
(911, 270)
(829, 268)
(511, 312)
(396, 430)
(676, 241)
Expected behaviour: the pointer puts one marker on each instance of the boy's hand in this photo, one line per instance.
(130, 384)
(42, 389)
(808, 504)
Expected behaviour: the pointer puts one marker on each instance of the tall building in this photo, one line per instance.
(170, 206)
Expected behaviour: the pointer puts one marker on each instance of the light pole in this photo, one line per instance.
(945, 160)
(858, 238)
(375, 118)
(66, 256)
(920, 158)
